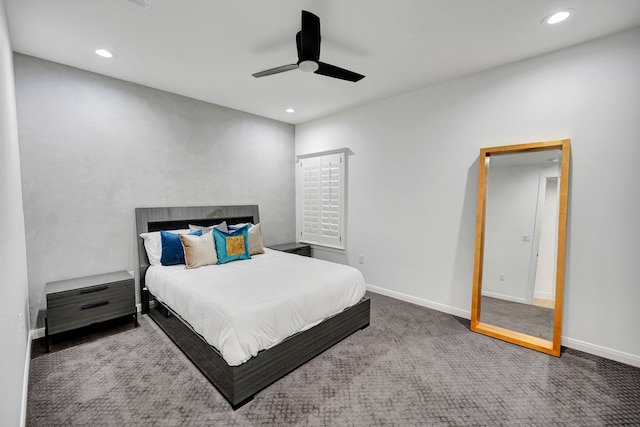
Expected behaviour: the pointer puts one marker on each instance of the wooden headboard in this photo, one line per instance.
(173, 218)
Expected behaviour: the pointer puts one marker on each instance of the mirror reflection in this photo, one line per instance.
(520, 243)
(521, 227)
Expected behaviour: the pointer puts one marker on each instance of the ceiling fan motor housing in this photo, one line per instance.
(308, 66)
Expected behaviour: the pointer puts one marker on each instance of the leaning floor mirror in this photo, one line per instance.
(521, 232)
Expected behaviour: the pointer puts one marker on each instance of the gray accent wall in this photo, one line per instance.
(93, 148)
(14, 299)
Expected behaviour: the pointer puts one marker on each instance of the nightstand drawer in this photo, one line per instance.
(76, 315)
(88, 295)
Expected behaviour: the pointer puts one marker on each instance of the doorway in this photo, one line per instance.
(545, 232)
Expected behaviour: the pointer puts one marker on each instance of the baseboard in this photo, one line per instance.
(544, 295)
(607, 353)
(39, 333)
(25, 383)
(421, 301)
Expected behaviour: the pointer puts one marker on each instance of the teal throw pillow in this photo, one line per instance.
(233, 245)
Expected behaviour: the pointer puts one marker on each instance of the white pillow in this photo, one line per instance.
(153, 244)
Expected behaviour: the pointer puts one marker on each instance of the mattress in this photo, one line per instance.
(243, 307)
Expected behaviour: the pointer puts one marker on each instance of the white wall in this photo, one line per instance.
(94, 148)
(413, 178)
(14, 298)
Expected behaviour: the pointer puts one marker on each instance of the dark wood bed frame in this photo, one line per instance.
(238, 384)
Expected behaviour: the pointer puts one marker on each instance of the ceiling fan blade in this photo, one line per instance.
(276, 70)
(308, 39)
(337, 72)
(299, 45)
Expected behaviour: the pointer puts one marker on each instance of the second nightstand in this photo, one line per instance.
(294, 248)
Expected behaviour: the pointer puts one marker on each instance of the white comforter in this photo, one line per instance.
(246, 306)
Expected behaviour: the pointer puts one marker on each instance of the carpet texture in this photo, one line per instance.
(412, 366)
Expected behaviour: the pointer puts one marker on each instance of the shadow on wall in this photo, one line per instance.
(462, 276)
(567, 308)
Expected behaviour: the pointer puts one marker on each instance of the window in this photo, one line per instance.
(321, 193)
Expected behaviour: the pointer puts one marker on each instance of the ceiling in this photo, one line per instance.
(208, 49)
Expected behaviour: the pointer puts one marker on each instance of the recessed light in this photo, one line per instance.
(104, 53)
(558, 17)
(290, 110)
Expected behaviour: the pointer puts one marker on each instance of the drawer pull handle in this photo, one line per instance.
(94, 305)
(88, 291)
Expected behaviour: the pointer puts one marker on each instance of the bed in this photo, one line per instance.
(242, 359)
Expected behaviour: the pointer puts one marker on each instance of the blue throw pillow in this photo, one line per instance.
(233, 245)
(172, 250)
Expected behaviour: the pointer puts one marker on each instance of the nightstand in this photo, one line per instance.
(294, 248)
(75, 303)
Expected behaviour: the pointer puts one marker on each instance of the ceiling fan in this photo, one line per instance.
(308, 43)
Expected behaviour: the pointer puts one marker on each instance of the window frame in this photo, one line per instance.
(322, 240)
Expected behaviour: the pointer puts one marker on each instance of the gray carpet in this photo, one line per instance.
(412, 366)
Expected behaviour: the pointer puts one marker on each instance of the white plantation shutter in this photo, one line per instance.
(310, 198)
(322, 180)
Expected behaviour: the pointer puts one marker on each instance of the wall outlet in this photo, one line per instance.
(361, 259)
(22, 321)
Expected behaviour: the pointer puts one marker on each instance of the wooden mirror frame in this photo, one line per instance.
(536, 343)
